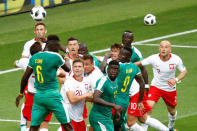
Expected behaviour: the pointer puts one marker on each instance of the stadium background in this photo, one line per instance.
(100, 23)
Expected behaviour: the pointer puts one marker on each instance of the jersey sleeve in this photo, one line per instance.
(147, 61)
(180, 65)
(60, 61)
(26, 50)
(31, 62)
(22, 63)
(100, 84)
(68, 86)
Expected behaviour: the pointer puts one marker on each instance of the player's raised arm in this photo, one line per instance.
(24, 81)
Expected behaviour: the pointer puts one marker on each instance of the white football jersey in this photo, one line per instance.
(93, 77)
(80, 88)
(164, 70)
(23, 63)
(27, 46)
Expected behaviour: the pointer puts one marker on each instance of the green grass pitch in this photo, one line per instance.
(100, 23)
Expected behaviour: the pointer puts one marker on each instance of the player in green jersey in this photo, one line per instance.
(128, 71)
(47, 99)
(103, 98)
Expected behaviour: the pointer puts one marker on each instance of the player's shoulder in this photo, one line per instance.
(137, 51)
(55, 54)
(30, 42)
(174, 56)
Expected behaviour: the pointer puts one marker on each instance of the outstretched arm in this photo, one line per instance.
(24, 81)
(140, 80)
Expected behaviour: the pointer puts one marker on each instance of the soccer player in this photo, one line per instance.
(73, 47)
(77, 91)
(128, 72)
(46, 100)
(91, 71)
(164, 82)
(113, 55)
(103, 98)
(29, 92)
(83, 50)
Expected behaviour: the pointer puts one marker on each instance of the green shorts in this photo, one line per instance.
(46, 103)
(99, 124)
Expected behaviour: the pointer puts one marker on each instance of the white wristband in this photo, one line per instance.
(176, 79)
(146, 86)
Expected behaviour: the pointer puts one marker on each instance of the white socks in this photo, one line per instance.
(43, 129)
(135, 127)
(156, 124)
(171, 119)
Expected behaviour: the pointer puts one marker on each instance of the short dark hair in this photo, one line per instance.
(128, 49)
(71, 39)
(113, 62)
(78, 60)
(116, 46)
(53, 45)
(52, 37)
(88, 57)
(39, 23)
(36, 47)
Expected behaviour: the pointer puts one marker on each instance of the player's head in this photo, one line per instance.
(73, 45)
(78, 67)
(165, 48)
(52, 37)
(52, 45)
(40, 30)
(83, 49)
(127, 38)
(88, 63)
(125, 54)
(113, 70)
(36, 47)
(115, 50)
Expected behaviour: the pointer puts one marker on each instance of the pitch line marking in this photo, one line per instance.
(56, 123)
(135, 43)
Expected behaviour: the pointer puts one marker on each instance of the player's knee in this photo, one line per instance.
(34, 128)
(142, 120)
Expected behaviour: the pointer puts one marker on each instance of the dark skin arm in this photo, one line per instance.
(104, 62)
(98, 100)
(145, 76)
(63, 48)
(24, 81)
(140, 80)
(65, 67)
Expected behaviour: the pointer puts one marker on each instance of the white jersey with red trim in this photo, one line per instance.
(27, 46)
(93, 77)
(79, 88)
(164, 70)
(22, 63)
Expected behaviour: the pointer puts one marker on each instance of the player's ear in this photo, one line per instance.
(46, 31)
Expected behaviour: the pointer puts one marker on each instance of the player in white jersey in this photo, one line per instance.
(92, 72)
(113, 55)
(77, 91)
(164, 82)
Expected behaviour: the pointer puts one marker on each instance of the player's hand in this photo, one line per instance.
(107, 55)
(117, 115)
(89, 95)
(140, 107)
(18, 98)
(171, 82)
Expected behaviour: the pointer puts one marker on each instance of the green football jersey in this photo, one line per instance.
(45, 65)
(127, 73)
(96, 61)
(109, 90)
(136, 55)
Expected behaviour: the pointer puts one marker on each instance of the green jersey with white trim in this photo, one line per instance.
(136, 55)
(127, 73)
(45, 65)
(109, 90)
